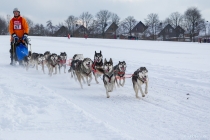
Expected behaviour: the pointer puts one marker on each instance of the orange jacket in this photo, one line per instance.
(18, 26)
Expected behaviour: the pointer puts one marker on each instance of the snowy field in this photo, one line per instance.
(34, 106)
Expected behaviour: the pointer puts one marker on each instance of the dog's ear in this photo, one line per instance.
(110, 60)
(100, 51)
(95, 52)
(105, 60)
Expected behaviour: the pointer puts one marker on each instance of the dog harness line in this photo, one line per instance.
(109, 77)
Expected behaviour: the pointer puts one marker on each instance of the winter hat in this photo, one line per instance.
(16, 10)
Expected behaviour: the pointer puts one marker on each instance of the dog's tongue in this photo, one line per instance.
(107, 70)
(122, 68)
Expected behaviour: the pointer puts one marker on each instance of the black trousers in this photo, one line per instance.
(12, 51)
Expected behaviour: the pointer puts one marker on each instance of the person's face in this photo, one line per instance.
(16, 13)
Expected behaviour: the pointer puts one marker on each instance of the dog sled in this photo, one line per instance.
(21, 50)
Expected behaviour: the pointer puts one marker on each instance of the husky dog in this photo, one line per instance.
(75, 60)
(108, 77)
(98, 63)
(139, 78)
(52, 63)
(83, 69)
(119, 71)
(62, 61)
(46, 55)
(38, 59)
(27, 60)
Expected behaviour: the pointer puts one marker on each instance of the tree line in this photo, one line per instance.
(191, 21)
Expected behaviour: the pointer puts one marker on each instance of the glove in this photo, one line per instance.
(15, 37)
(25, 38)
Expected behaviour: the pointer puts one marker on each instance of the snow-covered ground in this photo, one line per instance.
(35, 106)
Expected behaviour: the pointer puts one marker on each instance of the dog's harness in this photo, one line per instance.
(62, 61)
(141, 79)
(121, 74)
(98, 64)
(53, 65)
(109, 77)
(87, 73)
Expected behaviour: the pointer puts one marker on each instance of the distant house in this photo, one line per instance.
(110, 31)
(80, 31)
(167, 33)
(63, 31)
(179, 32)
(138, 30)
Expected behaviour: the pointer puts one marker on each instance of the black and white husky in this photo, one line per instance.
(98, 63)
(38, 59)
(27, 60)
(52, 63)
(62, 61)
(83, 70)
(119, 70)
(75, 60)
(108, 77)
(46, 55)
(139, 78)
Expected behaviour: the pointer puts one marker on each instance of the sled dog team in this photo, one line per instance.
(82, 68)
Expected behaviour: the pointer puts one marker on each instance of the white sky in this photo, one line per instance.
(40, 11)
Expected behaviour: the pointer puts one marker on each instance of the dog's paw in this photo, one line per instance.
(88, 84)
(146, 92)
(137, 97)
(108, 96)
(143, 95)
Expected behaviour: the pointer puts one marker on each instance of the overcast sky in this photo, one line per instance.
(40, 11)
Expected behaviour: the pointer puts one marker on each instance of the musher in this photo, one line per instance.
(18, 28)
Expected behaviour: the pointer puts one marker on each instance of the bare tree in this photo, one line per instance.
(86, 19)
(167, 21)
(115, 18)
(103, 18)
(153, 23)
(94, 28)
(50, 26)
(71, 23)
(3, 26)
(193, 21)
(36, 29)
(176, 19)
(30, 25)
(42, 30)
(57, 27)
(128, 24)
